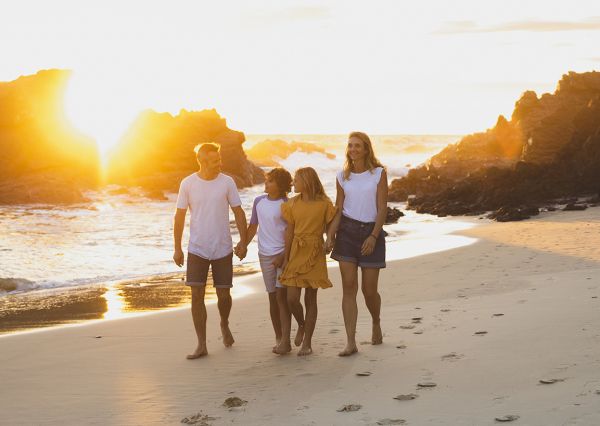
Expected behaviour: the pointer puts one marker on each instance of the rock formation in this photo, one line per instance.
(157, 151)
(549, 149)
(44, 159)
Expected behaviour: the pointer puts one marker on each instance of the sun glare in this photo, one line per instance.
(94, 108)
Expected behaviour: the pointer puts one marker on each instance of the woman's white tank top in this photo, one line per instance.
(360, 194)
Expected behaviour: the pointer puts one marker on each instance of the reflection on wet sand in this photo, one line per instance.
(48, 308)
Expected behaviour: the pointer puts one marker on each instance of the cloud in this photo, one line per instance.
(465, 27)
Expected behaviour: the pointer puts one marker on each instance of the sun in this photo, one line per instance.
(94, 106)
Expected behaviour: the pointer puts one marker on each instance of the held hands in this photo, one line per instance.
(240, 250)
(178, 257)
(329, 243)
(278, 261)
(368, 245)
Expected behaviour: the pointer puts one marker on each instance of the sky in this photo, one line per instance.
(273, 67)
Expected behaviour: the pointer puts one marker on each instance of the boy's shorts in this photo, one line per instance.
(197, 271)
(270, 272)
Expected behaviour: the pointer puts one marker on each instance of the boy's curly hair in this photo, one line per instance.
(282, 178)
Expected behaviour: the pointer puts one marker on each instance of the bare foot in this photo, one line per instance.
(299, 335)
(227, 336)
(304, 351)
(350, 349)
(283, 348)
(377, 337)
(199, 352)
(277, 342)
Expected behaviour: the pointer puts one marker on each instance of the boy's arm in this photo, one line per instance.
(251, 232)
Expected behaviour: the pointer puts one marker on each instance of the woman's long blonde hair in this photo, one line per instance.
(370, 160)
(313, 188)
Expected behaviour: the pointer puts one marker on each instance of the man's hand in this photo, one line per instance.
(178, 257)
(241, 250)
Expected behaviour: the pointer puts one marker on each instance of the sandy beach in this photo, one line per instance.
(519, 306)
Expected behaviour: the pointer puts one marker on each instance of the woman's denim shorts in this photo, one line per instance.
(349, 239)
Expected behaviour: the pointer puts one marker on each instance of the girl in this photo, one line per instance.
(267, 219)
(362, 206)
(307, 216)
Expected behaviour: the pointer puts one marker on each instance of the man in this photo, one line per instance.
(209, 194)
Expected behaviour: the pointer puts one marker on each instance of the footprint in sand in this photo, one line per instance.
(349, 408)
(233, 402)
(198, 419)
(406, 397)
(407, 327)
(498, 315)
(364, 373)
(452, 356)
(480, 333)
(550, 381)
(418, 332)
(445, 310)
(427, 384)
(333, 331)
(391, 422)
(401, 347)
(507, 418)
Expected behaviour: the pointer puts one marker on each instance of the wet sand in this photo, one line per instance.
(507, 326)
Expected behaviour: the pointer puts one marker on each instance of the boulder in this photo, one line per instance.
(157, 150)
(393, 214)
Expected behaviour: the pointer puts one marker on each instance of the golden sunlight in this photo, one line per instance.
(93, 107)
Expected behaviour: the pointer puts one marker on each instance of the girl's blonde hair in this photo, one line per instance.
(371, 161)
(313, 188)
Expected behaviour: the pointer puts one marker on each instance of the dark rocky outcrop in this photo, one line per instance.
(43, 158)
(549, 149)
(157, 151)
(267, 152)
(393, 214)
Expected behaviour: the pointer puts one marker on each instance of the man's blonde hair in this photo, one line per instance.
(204, 148)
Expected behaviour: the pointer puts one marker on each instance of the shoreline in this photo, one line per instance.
(69, 306)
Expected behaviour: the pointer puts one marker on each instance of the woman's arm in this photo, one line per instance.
(382, 195)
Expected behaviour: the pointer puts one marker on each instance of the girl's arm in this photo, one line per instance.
(289, 237)
(335, 223)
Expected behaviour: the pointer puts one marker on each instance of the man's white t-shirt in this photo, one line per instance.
(209, 202)
(266, 213)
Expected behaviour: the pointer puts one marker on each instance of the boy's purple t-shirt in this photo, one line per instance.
(266, 214)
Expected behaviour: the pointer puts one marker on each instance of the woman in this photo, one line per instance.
(356, 233)
(307, 216)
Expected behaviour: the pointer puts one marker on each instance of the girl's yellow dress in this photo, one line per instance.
(306, 266)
